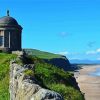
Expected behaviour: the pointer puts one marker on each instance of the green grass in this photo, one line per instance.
(41, 54)
(4, 75)
(68, 92)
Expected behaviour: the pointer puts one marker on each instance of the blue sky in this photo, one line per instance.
(69, 27)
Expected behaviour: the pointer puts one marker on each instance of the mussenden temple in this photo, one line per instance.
(10, 34)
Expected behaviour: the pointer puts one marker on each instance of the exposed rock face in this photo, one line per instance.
(59, 62)
(24, 87)
(44, 94)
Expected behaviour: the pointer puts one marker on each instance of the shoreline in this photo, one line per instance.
(89, 85)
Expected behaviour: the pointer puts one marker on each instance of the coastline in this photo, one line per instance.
(89, 85)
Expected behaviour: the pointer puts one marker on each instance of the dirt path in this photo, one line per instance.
(89, 85)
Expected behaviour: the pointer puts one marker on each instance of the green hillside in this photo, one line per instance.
(4, 75)
(42, 54)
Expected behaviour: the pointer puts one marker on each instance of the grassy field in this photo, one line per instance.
(4, 75)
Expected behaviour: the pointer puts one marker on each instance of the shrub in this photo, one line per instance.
(29, 73)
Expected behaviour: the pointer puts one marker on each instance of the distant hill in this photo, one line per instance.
(54, 59)
(84, 61)
(42, 54)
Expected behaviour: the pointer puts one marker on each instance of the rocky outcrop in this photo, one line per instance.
(25, 87)
(44, 94)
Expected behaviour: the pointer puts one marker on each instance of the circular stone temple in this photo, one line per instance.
(10, 34)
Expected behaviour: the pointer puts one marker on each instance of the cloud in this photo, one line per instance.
(63, 53)
(75, 58)
(93, 51)
(90, 52)
(64, 34)
(98, 50)
(68, 53)
(98, 58)
(91, 44)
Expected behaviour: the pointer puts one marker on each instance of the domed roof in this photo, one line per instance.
(7, 20)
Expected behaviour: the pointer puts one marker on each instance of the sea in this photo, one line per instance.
(96, 72)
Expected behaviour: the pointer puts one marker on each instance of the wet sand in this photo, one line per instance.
(89, 85)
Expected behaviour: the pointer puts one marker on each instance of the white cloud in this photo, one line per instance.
(93, 51)
(75, 58)
(98, 58)
(90, 52)
(98, 50)
(63, 53)
(64, 34)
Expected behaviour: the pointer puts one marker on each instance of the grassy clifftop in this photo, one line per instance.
(42, 54)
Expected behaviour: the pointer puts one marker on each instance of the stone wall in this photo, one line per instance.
(23, 87)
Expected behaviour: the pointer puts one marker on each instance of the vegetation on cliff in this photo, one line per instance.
(51, 77)
(4, 75)
(48, 76)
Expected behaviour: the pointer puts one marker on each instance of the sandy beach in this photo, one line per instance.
(89, 85)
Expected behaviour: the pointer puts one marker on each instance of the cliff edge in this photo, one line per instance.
(50, 58)
(32, 78)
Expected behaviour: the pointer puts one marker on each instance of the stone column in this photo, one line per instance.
(9, 39)
(3, 35)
